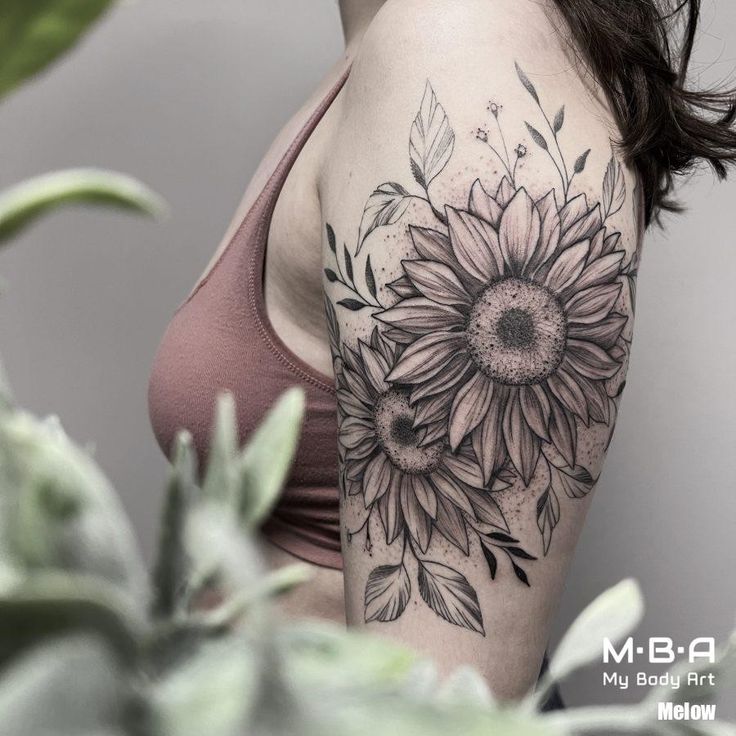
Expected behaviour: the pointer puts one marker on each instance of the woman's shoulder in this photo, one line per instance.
(483, 91)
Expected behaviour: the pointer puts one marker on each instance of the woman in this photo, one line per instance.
(479, 176)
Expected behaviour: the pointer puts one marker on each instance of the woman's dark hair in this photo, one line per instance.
(639, 50)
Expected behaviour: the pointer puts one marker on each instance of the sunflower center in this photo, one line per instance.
(516, 332)
(516, 328)
(394, 422)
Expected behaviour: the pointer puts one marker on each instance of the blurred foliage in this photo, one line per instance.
(90, 646)
(33, 34)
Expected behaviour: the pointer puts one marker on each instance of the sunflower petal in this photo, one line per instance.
(357, 387)
(469, 408)
(377, 478)
(425, 494)
(573, 210)
(593, 304)
(351, 405)
(488, 437)
(389, 509)
(590, 360)
(598, 403)
(584, 229)
(421, 316)
(487, 509)
(522, 445)
(375, 367)
(564, 386)
(536, 408)
(430, 410)
(452, 373)
(433, 433)
(475, 245)
(600, 271)
(403, 288)
(505, 192)
(563, 433)
(518, 233)
(549, 236)
(567, 267)
(604, 333)
(437, 282)
(417, 521)
(354, 430)
(426, 357)
(452, 490)
(450, 524)
(482, 205)
(432, 245)
(465, 469)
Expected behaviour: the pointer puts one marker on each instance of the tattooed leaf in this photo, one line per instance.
(548, 516)
(520, 553)
(331, 240)
(450, 595)
(432, 139)
(352, 304)
(527, 83)
(614, 188)
(537, 137)
(385, 206)
(559, 120)
(581, 161)
(500, 537)
(491, 560)
(520, 574)
(370, 278)
(577, 482)
(348, 265)
(331, 275)
(386, 593)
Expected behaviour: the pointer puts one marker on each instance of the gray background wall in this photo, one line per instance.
(187, 95)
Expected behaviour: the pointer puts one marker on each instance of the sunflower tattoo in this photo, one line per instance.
(506, 332)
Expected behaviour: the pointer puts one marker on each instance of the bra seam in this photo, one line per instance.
(258, 255)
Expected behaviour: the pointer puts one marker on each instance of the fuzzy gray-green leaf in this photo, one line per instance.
(24, 203)
(65, 687)
(169, 576)
(220, 478)
(57, 509)
(614, 614)
(266, 461)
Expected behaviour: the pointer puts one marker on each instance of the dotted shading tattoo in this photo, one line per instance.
(504, 336)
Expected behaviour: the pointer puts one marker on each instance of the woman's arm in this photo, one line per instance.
(480, 251)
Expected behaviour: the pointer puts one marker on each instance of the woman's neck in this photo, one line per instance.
(356, 16)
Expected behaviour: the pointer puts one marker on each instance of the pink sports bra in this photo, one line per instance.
(220, 339)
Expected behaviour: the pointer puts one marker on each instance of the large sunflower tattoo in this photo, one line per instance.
(509, 320)
(508, 335)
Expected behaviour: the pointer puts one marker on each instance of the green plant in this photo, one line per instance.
(33, 34)
(89, 646)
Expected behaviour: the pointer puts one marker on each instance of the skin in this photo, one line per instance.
(467, 50)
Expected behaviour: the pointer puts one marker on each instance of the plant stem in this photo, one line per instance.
(565, 180)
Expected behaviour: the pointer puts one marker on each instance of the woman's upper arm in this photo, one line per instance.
(480, 251)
